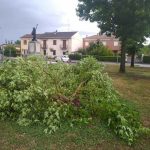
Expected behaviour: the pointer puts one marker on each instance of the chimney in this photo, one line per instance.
(55, 32)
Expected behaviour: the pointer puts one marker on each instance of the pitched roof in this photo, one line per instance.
(52, 35)
(101, 37)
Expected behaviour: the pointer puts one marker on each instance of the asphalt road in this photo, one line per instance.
(128, 64)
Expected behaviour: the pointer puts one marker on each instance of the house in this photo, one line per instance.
(18, 49)
(2, 46)
(54, 43)
(109, 41)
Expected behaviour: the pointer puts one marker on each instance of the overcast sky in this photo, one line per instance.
(17, 17)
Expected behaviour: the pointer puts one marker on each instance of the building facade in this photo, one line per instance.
(109, 41)
(54, 43)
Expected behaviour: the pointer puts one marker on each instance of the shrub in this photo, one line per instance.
(146, 59)
(108, 58)
(76, 56)
(32, 92)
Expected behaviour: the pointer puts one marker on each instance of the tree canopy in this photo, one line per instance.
(10, 50)
(126, 19)
(96, 49)
(145, 50)
(18, 42)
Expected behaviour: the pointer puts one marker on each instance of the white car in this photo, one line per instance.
(65, 58)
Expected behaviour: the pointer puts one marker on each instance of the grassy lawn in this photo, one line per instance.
(134, 87)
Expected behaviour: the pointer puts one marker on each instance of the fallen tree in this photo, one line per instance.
(32, 92)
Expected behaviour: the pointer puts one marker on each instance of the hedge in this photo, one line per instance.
(99, 58)
(108, 58)
(146, 59)
(75, 56)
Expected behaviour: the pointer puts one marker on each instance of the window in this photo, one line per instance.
(44, 51)
(25, 42)
(64, 44)
(44, 44)
(54, 42)
(115, 43)
(86, 43)
(54, 52)
(104, 43)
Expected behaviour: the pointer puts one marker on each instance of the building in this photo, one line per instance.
(109, 41)
(54, 43)
(2, 46)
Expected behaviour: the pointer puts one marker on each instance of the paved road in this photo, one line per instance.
(128, 64)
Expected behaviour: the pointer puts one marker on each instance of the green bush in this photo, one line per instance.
(75, 56)
(32, 92)
(146, 59)
(108, 58)
(78, 56)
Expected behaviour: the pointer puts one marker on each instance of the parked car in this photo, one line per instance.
(64, 58)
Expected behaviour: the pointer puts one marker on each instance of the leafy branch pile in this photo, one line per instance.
(32, 92)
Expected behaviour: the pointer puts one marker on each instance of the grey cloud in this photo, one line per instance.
(17, 17)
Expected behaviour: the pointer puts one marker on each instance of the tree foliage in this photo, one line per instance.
(126, 19)
(10, 50)
(133, 48)
(18, 42)
(33, 93)
(96, 49)
(145, 50)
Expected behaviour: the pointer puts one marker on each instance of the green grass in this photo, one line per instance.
(133, 87)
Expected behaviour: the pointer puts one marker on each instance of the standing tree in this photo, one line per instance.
(18, 42)
(126, 19)
(133, 48)
(10, 51)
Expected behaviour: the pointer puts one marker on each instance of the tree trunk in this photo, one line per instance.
(132, 59)
(122, 63)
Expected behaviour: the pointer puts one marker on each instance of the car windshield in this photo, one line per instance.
(65, 56)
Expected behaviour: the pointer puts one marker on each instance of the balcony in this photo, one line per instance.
(64, 47)
(44, 46)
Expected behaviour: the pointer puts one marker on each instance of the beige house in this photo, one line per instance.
(109, 41)
(54, 43)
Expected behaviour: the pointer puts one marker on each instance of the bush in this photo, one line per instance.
(78, 56)
(75, 56)
(33, 92)
(108, 58)
(146, 59)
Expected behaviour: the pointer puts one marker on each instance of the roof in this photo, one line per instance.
(52, 35)
(101, 37)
